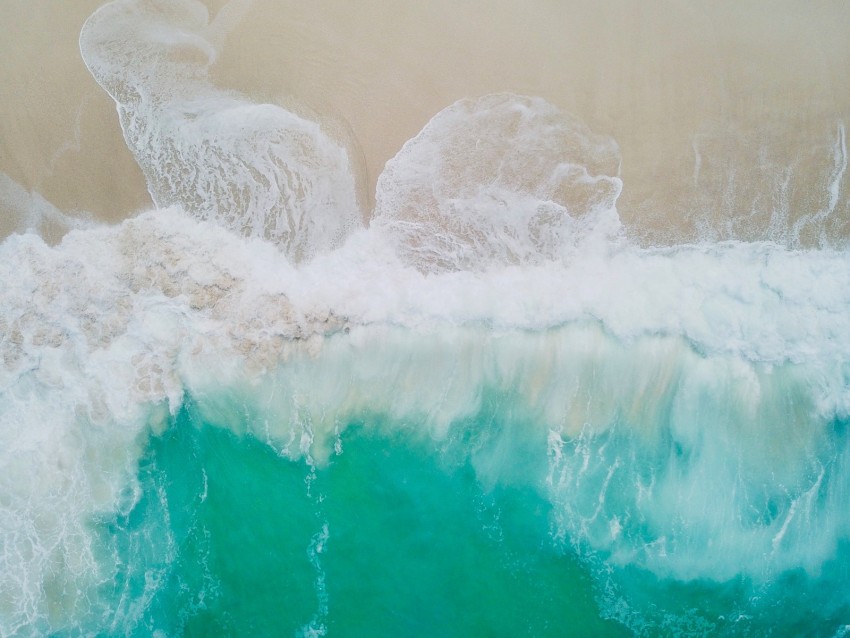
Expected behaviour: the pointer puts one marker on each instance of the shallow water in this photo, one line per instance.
(349, 548)
(478, 325)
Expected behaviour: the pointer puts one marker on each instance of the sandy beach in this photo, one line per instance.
(707, 101)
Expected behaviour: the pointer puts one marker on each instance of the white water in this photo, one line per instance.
(498, 180)
(286, 180)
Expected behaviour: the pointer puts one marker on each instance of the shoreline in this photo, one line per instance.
(709, 106)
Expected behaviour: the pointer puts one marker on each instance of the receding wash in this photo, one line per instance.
(464, 394)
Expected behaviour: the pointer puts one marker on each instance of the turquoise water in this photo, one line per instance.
(396, 534)
(387, 539)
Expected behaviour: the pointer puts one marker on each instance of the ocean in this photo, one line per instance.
(386, 319)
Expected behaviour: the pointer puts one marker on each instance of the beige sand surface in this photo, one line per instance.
(710, 102)
(59, 133)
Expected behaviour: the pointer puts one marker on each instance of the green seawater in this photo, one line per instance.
(389, 538)
(395, 535)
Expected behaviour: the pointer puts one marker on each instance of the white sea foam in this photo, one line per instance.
(495, 180)
(258, 169)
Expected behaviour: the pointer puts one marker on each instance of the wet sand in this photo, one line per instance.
(59, 132)
(713, 104)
